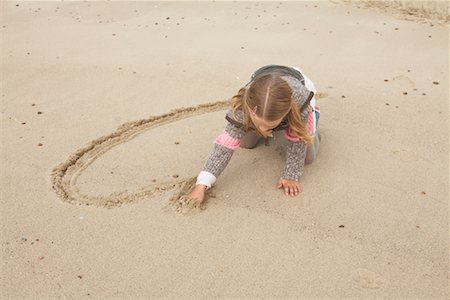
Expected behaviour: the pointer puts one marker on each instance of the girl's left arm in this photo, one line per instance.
(295, 160)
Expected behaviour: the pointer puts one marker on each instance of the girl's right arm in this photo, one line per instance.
(224, 146)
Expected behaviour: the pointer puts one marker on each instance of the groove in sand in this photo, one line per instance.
(65, 175)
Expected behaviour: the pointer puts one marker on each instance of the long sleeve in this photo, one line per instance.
(296, 150)
(295, 160)
(224, 146)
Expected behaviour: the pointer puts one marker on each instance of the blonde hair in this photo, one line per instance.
(273, 97)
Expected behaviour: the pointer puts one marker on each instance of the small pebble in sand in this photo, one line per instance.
(24, 239)
(242, 47)
(341, 226)
(435, 82)
(114, 34)
(342, 96)
(387, 104)
(41, 257)
(405, 93)
(23, 123)
(39, 112)
(167, 18)
(153, 180)
(177, 143)
(424, 94)
(429, 36)
(386, 80)
(396, 106)
(175, 176)
(423, 193)
(40, 144)
(166, 36)
(156, 23)
(396, 28)
(32, 104)
(80, 276)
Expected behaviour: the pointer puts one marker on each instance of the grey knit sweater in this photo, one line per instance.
(229, 140)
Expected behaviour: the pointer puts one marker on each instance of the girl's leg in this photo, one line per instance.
(313, 149)
(250, 140)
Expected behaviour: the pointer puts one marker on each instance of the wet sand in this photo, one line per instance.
(109, 111)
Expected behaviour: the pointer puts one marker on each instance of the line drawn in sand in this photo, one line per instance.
(64, 176)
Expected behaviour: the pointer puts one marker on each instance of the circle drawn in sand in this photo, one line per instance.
(64, 176)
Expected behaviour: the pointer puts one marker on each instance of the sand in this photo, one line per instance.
(420, 11)
(109, 111)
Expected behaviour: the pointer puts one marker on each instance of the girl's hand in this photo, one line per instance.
(291, 187)
(198, 193)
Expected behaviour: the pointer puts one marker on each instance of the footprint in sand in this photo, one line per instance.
(407, 156)
(404, 81)
(367, 279)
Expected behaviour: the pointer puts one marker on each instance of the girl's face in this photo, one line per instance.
(263, 126)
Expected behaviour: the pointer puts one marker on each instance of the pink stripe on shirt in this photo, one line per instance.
(309, 126)
(226, 140)
(288, 134)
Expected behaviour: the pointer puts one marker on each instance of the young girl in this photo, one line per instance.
(276, 98)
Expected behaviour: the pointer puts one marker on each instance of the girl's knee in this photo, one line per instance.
(250, 140)
(310, 157)
(312, 150)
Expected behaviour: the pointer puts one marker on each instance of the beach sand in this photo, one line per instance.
(110, 109)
